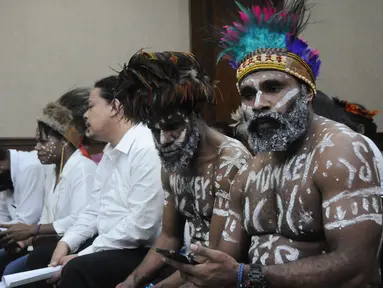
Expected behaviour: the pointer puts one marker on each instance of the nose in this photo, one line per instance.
(260, 102)
(166, 137)
(38, 146)
(85, 116)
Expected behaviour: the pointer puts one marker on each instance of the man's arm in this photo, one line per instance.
(30, 185)
(80, 189)
(234, 240)
(170, 238)
(230, 161)
(86, 224)
(143, 203)
(352, 219)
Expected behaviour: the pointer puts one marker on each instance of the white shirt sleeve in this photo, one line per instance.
(80, 190)
(31, 186)
(86, 225)
(144, 204)
(4, 213)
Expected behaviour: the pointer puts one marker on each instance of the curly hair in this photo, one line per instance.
(154, 85)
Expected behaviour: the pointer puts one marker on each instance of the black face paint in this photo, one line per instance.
(183, 152)
(281, 129)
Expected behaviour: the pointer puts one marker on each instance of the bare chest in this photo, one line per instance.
(282, 199)
(193, 195)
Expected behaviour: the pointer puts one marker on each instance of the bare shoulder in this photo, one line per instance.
(231, 154)
(343, 158)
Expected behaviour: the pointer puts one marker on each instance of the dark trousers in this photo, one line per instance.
(41, 256)
(102, 269)
(6, 258)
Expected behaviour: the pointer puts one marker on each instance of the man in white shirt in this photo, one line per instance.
(22, 198)
(126, 206)
(22, 182)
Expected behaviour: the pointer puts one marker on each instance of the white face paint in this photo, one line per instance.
(166, 137)
(285, 99)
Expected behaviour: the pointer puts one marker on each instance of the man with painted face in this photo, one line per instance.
(312, 189)
(167, 91)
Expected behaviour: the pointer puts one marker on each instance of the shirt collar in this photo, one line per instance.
(13, 163)
(126, 141)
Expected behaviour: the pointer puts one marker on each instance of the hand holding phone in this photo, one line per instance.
(173, 255)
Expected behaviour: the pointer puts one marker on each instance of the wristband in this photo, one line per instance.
(38, 229)
(241, 270)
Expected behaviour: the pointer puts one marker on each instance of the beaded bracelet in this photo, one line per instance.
(241, 270)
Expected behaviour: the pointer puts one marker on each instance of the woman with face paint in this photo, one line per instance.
(69, 179)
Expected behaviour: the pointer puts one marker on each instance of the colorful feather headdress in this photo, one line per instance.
(266, 39)
(356, 109)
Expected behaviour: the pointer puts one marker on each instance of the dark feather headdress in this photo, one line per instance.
(155, 84)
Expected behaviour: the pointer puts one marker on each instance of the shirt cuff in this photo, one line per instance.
(58, 228)
(72, 241)
(88, 250)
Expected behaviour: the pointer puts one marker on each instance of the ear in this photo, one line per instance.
(310, 96)
(361, 129)
(116, 107)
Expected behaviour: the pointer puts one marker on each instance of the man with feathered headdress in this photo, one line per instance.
(168, 91)
(312, 189)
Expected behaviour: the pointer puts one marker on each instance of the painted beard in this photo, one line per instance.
(187, 150)
(285, 128)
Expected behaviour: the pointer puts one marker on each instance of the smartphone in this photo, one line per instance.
(173, 255)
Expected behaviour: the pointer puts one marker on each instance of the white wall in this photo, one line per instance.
(50, 46)
(348, 34)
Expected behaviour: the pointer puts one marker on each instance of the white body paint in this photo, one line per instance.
(365, 173)
(257, 211)
(289, 219)
(351, 171)
(291, 254)
(377, 218)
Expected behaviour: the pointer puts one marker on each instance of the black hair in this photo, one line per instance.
(334, 109)
(46, 131)
(3, 154)
(154, 85)
(107, 86)
(76, 101)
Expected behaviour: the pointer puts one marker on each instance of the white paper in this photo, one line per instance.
(18, 279)
(3, 229)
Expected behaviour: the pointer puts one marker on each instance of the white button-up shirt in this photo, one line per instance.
(25, 203)
(64, 203)
(127, 201)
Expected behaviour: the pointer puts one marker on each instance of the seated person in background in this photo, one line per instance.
(126, 206)
(312, 189)
(168, 91)
(68, 184)
(22, 184)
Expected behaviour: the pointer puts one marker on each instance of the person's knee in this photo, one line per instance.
(73, 266)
